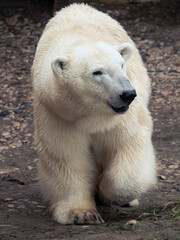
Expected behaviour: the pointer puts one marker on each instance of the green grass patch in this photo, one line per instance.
(169, 210)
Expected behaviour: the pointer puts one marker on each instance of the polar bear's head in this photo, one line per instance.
(91, 78)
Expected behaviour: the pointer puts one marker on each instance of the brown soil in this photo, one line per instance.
(155, 28)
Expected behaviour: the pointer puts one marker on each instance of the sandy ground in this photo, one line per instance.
(155, 28)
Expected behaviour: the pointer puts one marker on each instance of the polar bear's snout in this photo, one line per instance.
(120, 103)
(128, 96)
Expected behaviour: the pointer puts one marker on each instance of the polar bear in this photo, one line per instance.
(92, 123)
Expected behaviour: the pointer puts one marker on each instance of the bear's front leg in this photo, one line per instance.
(67, 176)
(77, 205)
(129, 167)
(131, 172)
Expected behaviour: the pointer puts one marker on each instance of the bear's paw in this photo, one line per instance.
(78, 216)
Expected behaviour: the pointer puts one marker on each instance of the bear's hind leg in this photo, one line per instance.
(133, 203)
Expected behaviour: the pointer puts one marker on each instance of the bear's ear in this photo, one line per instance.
(125, 49)
(59, 64)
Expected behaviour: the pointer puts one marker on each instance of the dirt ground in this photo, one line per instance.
(155, 28)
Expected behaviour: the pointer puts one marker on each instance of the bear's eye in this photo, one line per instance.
(97, 73)
(122, 65)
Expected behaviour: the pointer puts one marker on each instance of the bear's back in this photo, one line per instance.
(88, 18)
(82, 15)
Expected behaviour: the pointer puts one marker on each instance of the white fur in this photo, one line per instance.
(84, 146)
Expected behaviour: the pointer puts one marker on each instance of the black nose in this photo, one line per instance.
(128, 96)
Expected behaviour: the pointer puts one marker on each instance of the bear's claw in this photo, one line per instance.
(86, 217)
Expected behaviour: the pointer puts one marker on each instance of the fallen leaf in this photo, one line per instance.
(12, 20)
(166, 91)
(131, 222)
(8, 170)
(30, 168)
(8, 199)
(162, 177)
